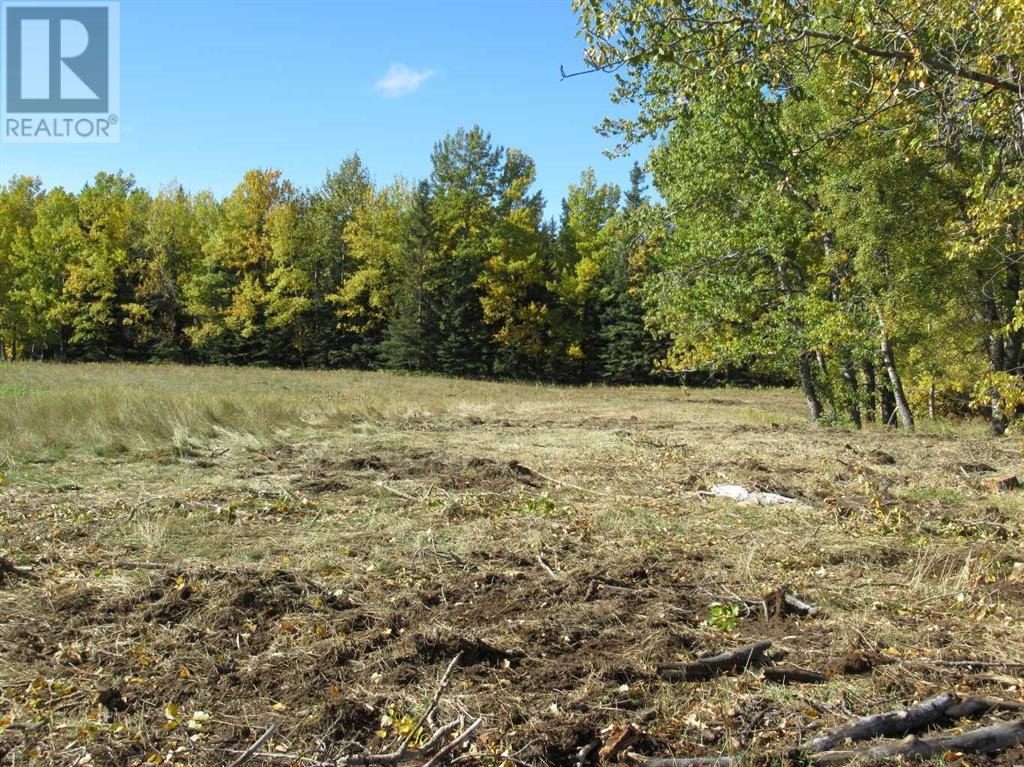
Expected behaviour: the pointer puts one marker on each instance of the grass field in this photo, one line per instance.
(195, 554)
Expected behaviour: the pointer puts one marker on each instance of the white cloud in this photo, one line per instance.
(400, 80)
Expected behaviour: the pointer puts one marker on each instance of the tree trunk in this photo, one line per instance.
(1012, 344)
(886, 403)
(870, 389)
(807, 384)
(806, 358)
(850, 376)
(825, 384)
(889, 360)
(998, 421)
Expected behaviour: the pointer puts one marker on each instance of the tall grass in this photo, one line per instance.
(122, 407)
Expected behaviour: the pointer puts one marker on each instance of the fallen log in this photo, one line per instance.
(986, 740)
(724, 663)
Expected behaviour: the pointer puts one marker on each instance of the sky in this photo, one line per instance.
(211, 88)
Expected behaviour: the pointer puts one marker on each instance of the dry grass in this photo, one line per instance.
(311, 549)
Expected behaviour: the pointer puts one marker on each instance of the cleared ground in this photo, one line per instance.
(201, 553)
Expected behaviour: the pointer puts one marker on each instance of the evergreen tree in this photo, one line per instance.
(627, 349)
(412, 327)
(465, 181)
(326, 259)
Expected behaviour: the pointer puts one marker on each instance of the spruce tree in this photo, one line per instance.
(412, 325)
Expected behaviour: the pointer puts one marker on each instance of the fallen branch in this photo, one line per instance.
(402, 752)
(794, 604)
(547, 568)
(888, 724)
(561, 482)
(944, 707)
(583, 756)
(940, 708)
(793, 674)
(396, 491)
(701, 761)
(251, 751)
(463, 738)
(972, 708)
(986, 740)
(706, 668)
(434, 700)
(7, 567)
(966, 663)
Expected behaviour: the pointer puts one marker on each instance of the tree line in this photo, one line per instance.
(458, 274)
(844, 192)
(841, 207)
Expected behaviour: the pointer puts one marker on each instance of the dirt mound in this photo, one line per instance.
(424, 467)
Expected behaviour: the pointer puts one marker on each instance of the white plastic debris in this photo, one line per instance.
(742, 495)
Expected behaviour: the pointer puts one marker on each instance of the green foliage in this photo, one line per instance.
(844, 184)
(458, 274)
(722, 616)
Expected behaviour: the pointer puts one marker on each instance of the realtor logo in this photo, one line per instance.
(61, 72)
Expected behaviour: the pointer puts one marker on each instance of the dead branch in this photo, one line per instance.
(797, 605)
(396, 491)
(618, 740)
(946, 706)
(398, 757)
(561, 482)
(787, 674)
(1009, 664)
(454, 744)
(434, 700)
(972, 708)
(705, 668)
(8, 568)
(583, 756)
(888, 724)
(986, 740)
(702, 761)
(251, 751)
(547, 568)
(402, 752)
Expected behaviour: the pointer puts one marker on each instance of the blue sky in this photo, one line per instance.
(210, 88)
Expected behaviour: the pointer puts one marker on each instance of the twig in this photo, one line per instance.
(397, 757)
(703, 761)
(547, 568)
(465, 736)
(966, 663)
(561, 482)
(395, 491)
(249, 752)
(445, 678)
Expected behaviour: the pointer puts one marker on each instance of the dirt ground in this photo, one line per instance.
(166, 605)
